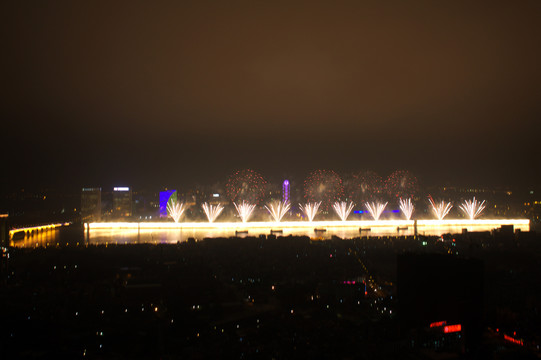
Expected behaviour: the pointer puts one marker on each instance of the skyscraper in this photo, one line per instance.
(90, 204)
(164, 199)
(122, 202)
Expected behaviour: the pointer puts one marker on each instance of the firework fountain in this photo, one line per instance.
(245, 210)
(175, 209)
(310, 209)
(407, 207)
(343, 209)
(441, 209)
(375, 209)
(472, 208)
(278, 209)
(212, 211)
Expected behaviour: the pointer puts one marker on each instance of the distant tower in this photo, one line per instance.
(285, 191)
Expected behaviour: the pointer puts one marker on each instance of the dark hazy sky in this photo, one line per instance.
(146, 93)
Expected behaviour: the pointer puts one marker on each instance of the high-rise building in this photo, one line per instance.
(90, 204)
(440, 299)
(164, 199)
(122, 202)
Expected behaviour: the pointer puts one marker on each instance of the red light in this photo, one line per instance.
(513, 340)
(438, 324)
(452, 328)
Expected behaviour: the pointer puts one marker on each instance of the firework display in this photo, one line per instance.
(375, 209)
(175, 209)
(343, 209)
(278, 210)
(406, 206)
(212, 211)
(246, 185)
(245, 210)
(401, 184)
(323, 186)
(310, 209)
(472, 208)
(441, 209)
(365, 186)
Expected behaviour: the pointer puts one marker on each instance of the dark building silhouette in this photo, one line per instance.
(435, 292)
(90, 204)
(4, 230)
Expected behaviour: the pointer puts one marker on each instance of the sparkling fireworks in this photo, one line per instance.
(375, 209)
(245, 210)
(323, 186)
(246, 185)
(407, 207)
(365, 186)
(441, 209)
(343, 209)
(212, 211)
(175, 209)
(472, 208)
(310, 209)
(278, 209)
(401, 184)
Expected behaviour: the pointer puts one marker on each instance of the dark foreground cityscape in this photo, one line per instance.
(470, 295)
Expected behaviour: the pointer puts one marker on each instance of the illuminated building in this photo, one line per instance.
(90, 204)
(164, 198)
(440, 299)
(285, 191)
(122, 202)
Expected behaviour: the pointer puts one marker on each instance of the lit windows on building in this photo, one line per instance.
(122, 202)
(90, 204)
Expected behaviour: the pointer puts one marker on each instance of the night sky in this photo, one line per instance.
(98, 93)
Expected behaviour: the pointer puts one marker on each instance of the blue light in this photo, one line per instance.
(164, 198)
(386, 211)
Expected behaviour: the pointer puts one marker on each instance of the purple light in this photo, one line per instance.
(285, 191)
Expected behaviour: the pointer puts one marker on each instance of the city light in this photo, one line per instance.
(121, 188)
(452, 328)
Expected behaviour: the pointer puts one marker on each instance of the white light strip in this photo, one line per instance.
(306, 224)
